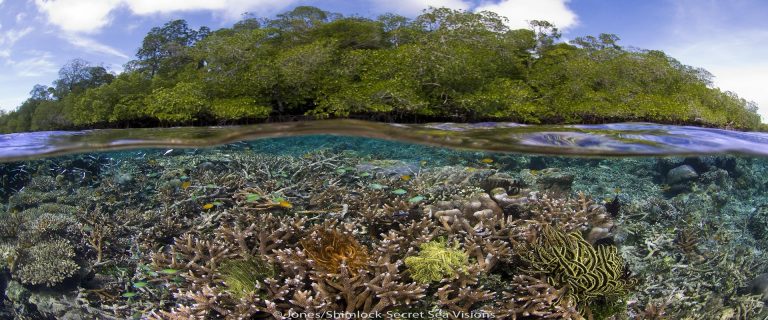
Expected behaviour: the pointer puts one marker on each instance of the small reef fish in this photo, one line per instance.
(207, 206)
(487, 160)
(185, 185)
(285, 204)
(405, 177)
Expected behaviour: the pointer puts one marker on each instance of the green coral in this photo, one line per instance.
(570, 261)
(242, 276)
(436, 261)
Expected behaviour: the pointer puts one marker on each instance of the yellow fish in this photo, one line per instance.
(534, 172)
(207, 206)
(487, 160)
(470, 169)
(285, 204)
(405, 177)
(185, 185)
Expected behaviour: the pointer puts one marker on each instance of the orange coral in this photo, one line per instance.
(329, 249)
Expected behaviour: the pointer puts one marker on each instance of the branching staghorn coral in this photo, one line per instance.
(569, 260)
(532, 297)
(436, 261)
(566, 213)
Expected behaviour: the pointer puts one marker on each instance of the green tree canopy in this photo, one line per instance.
(443, 65)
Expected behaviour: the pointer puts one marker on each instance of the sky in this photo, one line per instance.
(727, 37)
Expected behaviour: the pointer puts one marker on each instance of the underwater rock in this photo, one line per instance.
(124, 179)
(757, 223)
(206, 166)
(488, 204)
(43, 304)
(502, 180)
(602, 227)
(170, 185)
(57, 306)
(16, 293)
(681, 174)
(759, 285)
(555, 181)
(504, 200)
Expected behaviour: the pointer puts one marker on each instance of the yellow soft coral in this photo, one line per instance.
(436, 261)
(242, 276)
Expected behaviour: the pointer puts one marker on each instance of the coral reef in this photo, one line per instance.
(236, 233)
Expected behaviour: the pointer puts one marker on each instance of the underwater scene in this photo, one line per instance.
(442, 222)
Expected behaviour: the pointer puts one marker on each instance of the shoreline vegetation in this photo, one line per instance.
(444, 65)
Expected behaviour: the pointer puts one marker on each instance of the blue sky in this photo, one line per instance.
(727, 37)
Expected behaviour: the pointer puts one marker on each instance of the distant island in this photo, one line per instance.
(444, 65)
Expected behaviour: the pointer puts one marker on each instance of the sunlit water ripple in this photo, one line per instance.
(621, 139)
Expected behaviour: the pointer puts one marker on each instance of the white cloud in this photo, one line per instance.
(735, 59)
(10, 37)
(92, 45)
(748, 81)
(519, 12)
(78, 15)
(414, 7)
(144, 7)
(730, 41)
(39, 64)
(232, 9)
(11, 99)
(87, 16)
(20, 17)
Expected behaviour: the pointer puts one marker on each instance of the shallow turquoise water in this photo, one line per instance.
(299, 224)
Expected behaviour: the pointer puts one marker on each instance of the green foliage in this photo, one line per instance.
(242, 277)
(445, 63)
(570, 261)
(239, 108)
(436, 261)
(184, 102)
